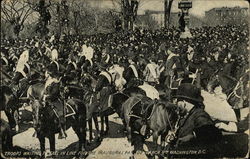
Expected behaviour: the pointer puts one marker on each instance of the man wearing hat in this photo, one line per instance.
(196, 129)
(131, 74)
(53, 97)
(105, 60)
(22, 71)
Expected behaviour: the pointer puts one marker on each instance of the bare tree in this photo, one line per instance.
(15, 12)
(42, 8)
(128, 10)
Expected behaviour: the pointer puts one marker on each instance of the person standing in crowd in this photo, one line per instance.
(105, 60)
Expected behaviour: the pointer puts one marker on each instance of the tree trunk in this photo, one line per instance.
(131, 23)
(125, 23)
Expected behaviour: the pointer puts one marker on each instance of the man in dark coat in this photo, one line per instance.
(52, 96)
(172, 67)
(131, 73)
(196, 130)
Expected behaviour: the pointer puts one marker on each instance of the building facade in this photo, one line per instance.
(158, 16)
(226, 15)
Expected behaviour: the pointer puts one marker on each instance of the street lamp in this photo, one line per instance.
(185, 5)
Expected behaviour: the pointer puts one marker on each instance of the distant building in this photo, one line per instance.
(225, 15)
(158, 16)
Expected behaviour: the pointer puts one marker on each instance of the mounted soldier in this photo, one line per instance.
(52, 96)
(22, 72)
(173, 68)
(131, 74)
(192, 68)
(151, 73)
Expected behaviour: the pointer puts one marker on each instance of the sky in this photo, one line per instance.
(199, 6)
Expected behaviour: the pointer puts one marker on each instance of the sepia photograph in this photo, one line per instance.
(124, 79)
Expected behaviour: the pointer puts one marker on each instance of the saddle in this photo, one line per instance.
(142, 108)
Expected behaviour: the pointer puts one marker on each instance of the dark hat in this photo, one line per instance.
(189, 92)
(53, 68)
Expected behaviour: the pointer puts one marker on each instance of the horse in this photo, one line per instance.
(6, 136)
(236, 90)
(109, 82)
(143, 115)
(9, 104)
(77, 120)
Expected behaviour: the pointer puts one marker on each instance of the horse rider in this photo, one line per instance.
(22, 71)
(192, 66)
(195, 127)
(172, 67)
(53, 98)
(151, 73)
(131, 74)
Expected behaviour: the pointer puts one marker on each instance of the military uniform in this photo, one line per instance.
(131, 75)
(52, 96)
(172, 67)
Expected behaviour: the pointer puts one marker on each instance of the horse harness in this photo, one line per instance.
(146, 114)
(239, 85)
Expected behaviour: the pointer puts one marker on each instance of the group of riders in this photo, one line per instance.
(159, 59)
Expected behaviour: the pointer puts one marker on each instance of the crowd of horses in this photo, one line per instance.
(142, 116)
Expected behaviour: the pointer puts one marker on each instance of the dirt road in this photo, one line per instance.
(113, 146)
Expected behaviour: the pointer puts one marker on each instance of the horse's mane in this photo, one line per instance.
(170, 107)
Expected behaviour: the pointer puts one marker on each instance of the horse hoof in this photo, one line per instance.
(131, 157)
(99, 139)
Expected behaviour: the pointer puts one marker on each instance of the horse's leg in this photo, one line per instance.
(129, 132)
(163, 143)
(42, 146)
(237, 113)
(97, 127)
(137, 141)
(90, 130)
(11, 119)
(82, 132)
(163, 137)
(52, 143)
(107, 124)
(155, 141)
(102, 125)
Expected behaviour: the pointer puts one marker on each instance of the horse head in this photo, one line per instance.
(36, 112)
(238, 98)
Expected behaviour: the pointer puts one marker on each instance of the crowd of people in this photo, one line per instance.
(156, 57)
(209, 49)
